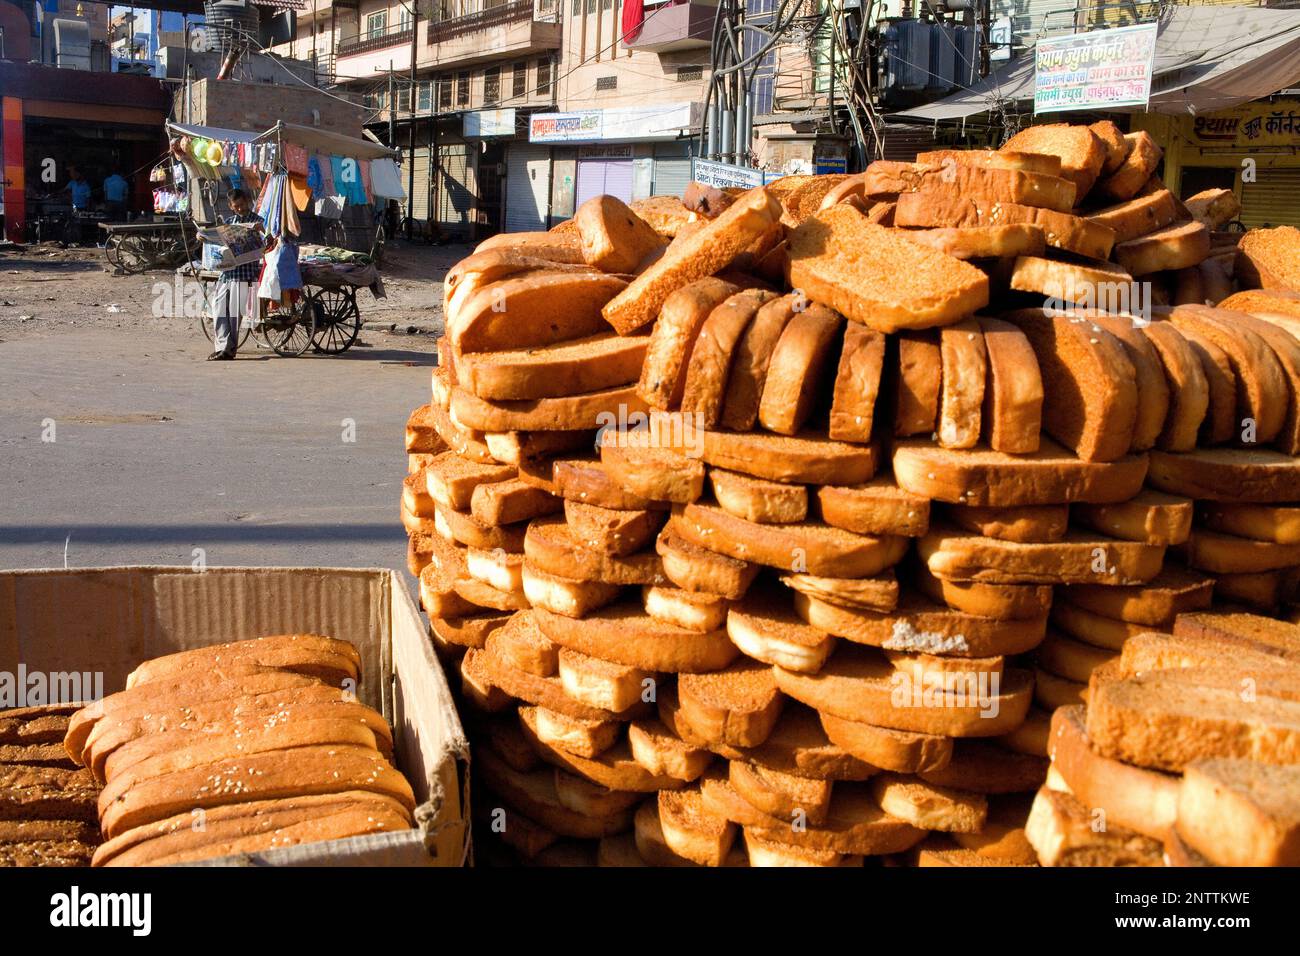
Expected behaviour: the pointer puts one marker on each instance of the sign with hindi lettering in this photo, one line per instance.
(1248, 126)
(1098, 70)
(725, 175)
(565, 127)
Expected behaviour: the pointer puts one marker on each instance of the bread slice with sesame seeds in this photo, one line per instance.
(1078, 558)
(1011, 418)
(663, 376)
(1061, 230)
(738, 705)
(1082, 153)
(1020, 523)
(1139, 216)
(625, 634)
(794, 373)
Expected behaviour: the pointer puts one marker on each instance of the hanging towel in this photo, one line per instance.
(329, 207)
(386, 180)
(364, 165)
(347, 180)
(295, 159)
(300, 191)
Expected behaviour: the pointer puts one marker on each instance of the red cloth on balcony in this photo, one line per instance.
(633, 17)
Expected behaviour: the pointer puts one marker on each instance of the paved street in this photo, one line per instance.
(156, 453)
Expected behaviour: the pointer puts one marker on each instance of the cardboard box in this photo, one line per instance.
(108, 620)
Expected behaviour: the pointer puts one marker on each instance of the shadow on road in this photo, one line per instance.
(233, 531)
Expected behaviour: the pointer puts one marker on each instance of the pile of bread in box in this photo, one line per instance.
(228, 749)
(850, 517)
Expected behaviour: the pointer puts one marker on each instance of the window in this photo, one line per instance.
(606, 82)
(577, 8)
(462, 89)
(591, 6)
(425, 102)
(404, 19)
(606, 4)
(491, 86)
(519, 85)
(444, 92)
(688, 74)
(543, 77)
(404, 99)
(376, 24)
(763, 95)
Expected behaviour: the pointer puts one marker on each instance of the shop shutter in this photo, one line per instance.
(600, 176)
(672, 170)
(528, 184)
(1273, 199)
(420, 195)
(454, 198)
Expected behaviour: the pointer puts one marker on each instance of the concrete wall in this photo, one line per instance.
(256, 107)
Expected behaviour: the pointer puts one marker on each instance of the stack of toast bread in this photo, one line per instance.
(772, 528)
(234, 748)
(47, 802)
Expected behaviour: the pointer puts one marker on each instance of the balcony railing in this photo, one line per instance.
(481, 20)
(366, 43)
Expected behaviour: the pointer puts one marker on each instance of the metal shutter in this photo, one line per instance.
(420, 195)
(903, 142)
(454, 197)
(1273, 199)
(672, 171)
(604, 176)
(528, 184)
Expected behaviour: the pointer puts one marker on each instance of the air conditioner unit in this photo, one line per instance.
(72, 44)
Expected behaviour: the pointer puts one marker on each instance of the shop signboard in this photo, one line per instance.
(706, 172)
(582, 126)
(1103, 69)
(1249, 126)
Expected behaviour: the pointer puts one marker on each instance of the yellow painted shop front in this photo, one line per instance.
(1252, 149)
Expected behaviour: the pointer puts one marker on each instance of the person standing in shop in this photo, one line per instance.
(230, 302)
(115, 192)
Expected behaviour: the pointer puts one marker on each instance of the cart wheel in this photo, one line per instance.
(133, 255)
(110, 250)
(335, 234)
(338, 320)
(245, 327)
(290, 332)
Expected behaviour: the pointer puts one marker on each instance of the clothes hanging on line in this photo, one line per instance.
(386, 180)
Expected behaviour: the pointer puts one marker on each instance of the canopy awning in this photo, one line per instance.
(308, 137)
(1207, 58)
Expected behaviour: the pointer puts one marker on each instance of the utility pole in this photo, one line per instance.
(392, 107)
(415, 109)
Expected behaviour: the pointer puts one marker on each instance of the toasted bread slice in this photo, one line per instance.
(647, 468)
(798, 745)
(567, 368)
(692, 610)
(857, 384)
(1089, 384)
(857, 684)
(1132, 797)
(664, 214)
(1139, 216)
(1249, 631)
(559, 247)
(1264, 590)
(711, 357)
(1175, 246)
(663, 376)
(982, 477)
(532, 310)
(782, 795)
(986, 767)
(1000, 601)
(522, 646)
(613, 238)
(584, 738)
(471, 631)
(1228, 554)
(879, 593)
(808, 546)
(1225, 474)
(750, 363)
(1024, 523)
(768, 631)
(700, 254)
(1117, 146)
(1189, 389)
(691, 830)
(1144, 155)
(1073, 659)
(1078, 558)
(566, 596)
(483, 268)
(1152, 386)
(807, 458)
(738, 705)
(507, 502)
(886, 179)
(797, 363)
(1061, 230)
(613, 768)
(518, 448)
(1215, 208)
(466, 442)
(1155, 604)
(535, 795)
(983, 242)
(1278, 523)
(698, 569)
(1084, 284)
(757, 499)
(625, 634)
(590, 481)
(921, 626)
(1266, 259)
(920, 376)
(604, 685)
(878, 277)
(900, 750)
(550, 546)
(1030, 162)
(1150, 517)
(1083, 154)
(422, 437)
(463, 528)
(1220, 422)
(929, 806)
(1165, 720)
(567, 413)
(612, 531)
(1241, 813)
(1063, 831)
(1286, 348)
(1011, 418)
(965, 364)
(874, 507)
(663, 753)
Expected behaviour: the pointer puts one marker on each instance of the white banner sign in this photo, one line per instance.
(725, 175)
(1097, 70)
(491, 122)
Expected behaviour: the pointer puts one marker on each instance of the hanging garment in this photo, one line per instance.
(291, 225)
(364, 166)
(271, 204)
(300, 191)
(295, 159)
(347, 180)
(386, 180)
(329, 207)
(200, 208)
(314, 181)
(280, 272)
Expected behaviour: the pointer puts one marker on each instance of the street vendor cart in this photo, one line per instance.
(308, 183)
(133, 247)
